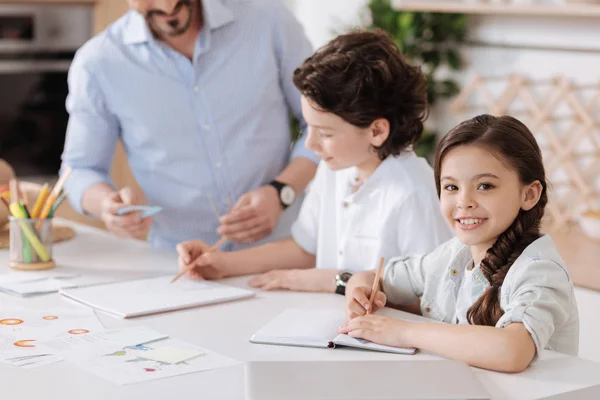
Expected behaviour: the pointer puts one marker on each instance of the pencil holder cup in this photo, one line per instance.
(31, 244)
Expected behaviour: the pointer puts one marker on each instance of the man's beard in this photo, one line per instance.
(178, 29)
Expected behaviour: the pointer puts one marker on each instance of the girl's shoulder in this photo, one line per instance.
(539, 259)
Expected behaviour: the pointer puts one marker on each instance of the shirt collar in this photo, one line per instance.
(372, 182)
(136, 29)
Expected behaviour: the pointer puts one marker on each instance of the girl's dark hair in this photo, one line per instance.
(362, 76)
(509, 139)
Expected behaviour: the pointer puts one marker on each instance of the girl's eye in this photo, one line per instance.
(326, 135)
(450, 188)
(485, 186)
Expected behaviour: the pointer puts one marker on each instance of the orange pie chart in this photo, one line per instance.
(50, 317)
(78, 331)
(11, 321)
(24, 343)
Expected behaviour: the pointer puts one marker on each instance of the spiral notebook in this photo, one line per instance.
(135, 298)
(315, 328)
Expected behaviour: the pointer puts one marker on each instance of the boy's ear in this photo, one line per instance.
(531, 195)
(380, 131)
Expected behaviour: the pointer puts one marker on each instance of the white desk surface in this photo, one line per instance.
(225, 328)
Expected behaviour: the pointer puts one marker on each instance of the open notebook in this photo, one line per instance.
(314, 328)
(135, 298)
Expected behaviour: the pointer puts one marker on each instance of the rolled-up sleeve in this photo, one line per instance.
(92, 133)
(540, 298)
(404, 278)
(292, 48)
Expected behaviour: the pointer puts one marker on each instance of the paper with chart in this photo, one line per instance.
(22, 329)
(126, 364)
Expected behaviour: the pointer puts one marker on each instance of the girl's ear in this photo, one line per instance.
(531, 195)
(380, 131)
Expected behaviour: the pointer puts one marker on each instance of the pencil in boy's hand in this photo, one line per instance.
(213, 248)
(375, 285)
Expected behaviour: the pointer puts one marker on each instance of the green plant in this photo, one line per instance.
(431, 40)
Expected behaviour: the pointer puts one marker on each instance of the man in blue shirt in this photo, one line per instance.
(199, 92)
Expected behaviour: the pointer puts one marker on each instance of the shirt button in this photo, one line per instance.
(453, 272)
(340, 252)
(476, 277)
(218, 164)
(206, 127)
(427, 309)
(345, 204)
(196, 89)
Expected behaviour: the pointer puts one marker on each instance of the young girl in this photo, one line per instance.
(371, 197)
(500, 283)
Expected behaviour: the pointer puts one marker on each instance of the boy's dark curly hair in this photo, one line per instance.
(362, 76)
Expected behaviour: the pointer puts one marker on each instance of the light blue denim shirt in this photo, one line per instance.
(214, 128)
(537, 290)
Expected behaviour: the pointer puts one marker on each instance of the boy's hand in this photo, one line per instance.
(298, 280)
(357, 301)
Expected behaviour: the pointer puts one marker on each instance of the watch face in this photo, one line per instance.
(345, 276)
(287, 195)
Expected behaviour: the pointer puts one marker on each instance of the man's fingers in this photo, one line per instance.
(239, 227)
(126, 222)
(128, 196)
(252, 235)
(238, 215)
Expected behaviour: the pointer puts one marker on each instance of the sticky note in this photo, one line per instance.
(170, 355)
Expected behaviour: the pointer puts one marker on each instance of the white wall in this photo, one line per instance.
(322, 18)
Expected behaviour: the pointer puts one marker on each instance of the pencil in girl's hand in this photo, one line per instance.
(375, 285)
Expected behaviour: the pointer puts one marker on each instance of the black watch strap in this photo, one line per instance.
(279, 186)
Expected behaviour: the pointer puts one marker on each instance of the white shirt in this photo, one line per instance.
(396, 211)
(464, 300)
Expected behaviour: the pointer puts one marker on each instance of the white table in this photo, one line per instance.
(225, 329)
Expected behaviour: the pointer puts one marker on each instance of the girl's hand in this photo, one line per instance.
(378, 329)
(357, 301)
(298, 280)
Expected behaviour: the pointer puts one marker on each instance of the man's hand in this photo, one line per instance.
(253, 217)
(130, 225)
(298, 280)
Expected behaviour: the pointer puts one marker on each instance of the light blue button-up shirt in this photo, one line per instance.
(194, 132)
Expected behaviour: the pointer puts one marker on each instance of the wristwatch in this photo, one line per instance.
(287, 194)
(341, 280)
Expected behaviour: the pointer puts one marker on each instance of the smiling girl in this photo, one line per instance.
(500, 285)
